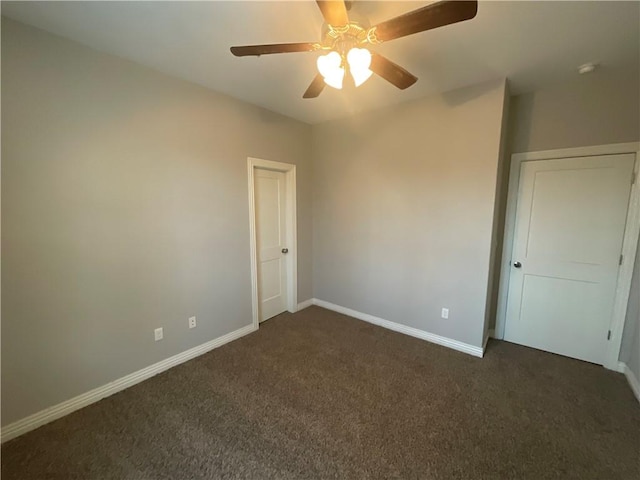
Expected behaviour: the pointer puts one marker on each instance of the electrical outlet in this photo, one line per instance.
(157, 333)
(192, 322)
(445, 313)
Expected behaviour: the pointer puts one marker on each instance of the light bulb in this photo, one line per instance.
(329, 67)
(359, 61)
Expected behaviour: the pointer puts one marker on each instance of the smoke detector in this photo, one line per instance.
(587, 68)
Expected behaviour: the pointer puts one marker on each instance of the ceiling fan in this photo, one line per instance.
(348, 41)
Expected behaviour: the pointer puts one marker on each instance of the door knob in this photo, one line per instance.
(285, 250)
(517, 264)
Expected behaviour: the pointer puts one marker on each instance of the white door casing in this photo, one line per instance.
(270, 194)
(569, 229)
(273, 273)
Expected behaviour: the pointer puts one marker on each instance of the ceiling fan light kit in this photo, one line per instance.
(347, 42)
(332, 67)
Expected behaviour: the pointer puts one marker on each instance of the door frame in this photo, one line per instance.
(629, 243)
(291, 259)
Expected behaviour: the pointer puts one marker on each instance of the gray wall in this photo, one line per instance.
(124, 208)
(595, 109)
(403, 207)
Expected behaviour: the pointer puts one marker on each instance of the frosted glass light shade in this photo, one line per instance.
(359, 62)
(330, 69)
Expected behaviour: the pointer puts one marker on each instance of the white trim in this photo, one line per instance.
(305, 304)
(590, 151)
(625, 273)
(252, 247)
(292, 232)
(632, 231)
(47, 415)
(397, 327)
(631, 378)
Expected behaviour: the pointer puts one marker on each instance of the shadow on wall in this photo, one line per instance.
(499, 216)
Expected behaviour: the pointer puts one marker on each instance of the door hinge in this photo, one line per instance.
(633, 178)
(621, 259)
(609, 335)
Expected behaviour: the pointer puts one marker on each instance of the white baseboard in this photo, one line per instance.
(397, 327)
(60, 410)
(305, 304)
(631, 378)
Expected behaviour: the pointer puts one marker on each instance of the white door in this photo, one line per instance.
(270, 197)
(570, 223)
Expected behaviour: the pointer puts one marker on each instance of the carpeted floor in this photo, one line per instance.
(319, 395)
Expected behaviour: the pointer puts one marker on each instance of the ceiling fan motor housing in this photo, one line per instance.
(342, 39)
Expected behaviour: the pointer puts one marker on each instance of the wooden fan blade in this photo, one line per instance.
(426, 18)
(334, 12)
(391, 72)
(275, 48)
(316, 87)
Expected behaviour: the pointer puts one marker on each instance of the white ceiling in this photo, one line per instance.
(532, 43)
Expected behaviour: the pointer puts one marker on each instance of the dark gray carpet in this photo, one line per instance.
(321, 395)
